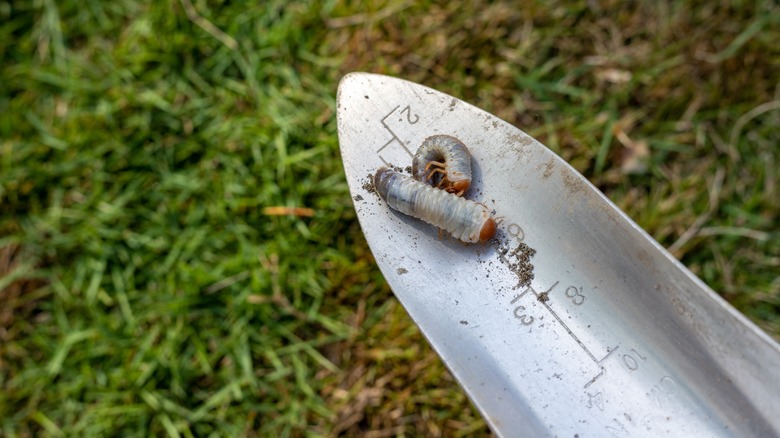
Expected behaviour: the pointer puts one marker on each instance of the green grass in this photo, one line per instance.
(143, 289)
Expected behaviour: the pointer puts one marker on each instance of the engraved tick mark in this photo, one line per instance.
(410, 118)
(575, 295)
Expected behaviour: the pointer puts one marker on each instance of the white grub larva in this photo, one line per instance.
(465, 220)
(446, 157)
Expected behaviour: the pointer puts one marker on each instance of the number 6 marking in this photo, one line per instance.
(516, 232)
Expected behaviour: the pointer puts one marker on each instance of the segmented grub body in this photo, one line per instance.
(465, 220)
(445, 162)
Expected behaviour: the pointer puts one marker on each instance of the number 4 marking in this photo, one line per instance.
(596, 400)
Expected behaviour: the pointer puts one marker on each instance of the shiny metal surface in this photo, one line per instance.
(612, 336)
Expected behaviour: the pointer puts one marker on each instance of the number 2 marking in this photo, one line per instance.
(408, 111)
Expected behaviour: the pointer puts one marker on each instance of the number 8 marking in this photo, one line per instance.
(575, 295)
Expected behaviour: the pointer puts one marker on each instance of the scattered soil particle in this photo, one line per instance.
(518, 260)
(368, 185)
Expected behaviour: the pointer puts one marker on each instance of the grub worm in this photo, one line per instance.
(465, 220)
(443, 161)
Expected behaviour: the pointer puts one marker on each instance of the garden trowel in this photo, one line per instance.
(571, 320)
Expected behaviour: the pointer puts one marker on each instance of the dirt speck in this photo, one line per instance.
(548, 168)
(401, 271)
(464, 322)
(368, 185)
(524, 140)
(571, 181)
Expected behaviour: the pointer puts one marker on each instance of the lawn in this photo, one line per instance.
(148, 285)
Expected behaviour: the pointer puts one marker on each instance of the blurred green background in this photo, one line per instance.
(146, 288)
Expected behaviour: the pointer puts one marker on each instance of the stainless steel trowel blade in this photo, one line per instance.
(572, 321)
